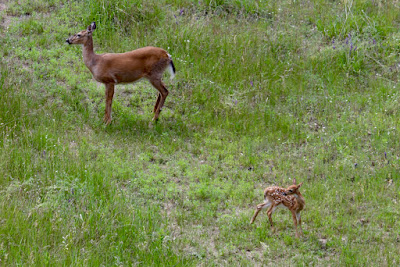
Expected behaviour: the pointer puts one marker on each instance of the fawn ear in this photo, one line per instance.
(300, 184)
(91, 27)
(294, 181)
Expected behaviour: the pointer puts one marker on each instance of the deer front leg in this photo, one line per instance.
(298, 216)
(109, 98)
(295, 223)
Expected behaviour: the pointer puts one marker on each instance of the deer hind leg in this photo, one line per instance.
(258, 209)
(269, 213)
(159, 85)
(109, 98)
(157, 102)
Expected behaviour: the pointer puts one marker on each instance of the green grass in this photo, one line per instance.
(264, 92)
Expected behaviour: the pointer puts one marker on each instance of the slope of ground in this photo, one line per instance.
(264, 92)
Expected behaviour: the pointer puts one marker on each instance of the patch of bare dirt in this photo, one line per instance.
(6, 21)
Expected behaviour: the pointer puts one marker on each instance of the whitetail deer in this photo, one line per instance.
(112, 68)
(290, 198)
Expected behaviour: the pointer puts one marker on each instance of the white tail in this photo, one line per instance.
(112, 68)
(171, 68)
(290, 198)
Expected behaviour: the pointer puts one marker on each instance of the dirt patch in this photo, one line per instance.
(2, 7)
(6, 20)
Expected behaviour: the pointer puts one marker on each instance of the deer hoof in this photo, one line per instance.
(107, 120)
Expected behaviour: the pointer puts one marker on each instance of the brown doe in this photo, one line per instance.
(114, 68)
(289, 198)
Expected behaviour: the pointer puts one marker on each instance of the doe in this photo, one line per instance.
(113, 68)
(290, 198)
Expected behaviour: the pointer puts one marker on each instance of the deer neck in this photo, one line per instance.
(89, 56)
(300, 200)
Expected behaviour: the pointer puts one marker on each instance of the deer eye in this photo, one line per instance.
(78, 35)
(291, 191)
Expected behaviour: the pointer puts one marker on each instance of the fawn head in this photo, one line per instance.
(82, 36)
(293, 189)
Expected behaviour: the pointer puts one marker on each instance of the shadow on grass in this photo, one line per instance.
(139, 126)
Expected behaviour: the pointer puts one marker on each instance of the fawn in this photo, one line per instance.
(113, 68)
(290, 198)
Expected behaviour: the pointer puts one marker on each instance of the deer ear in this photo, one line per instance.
(300, 184)
(294, 181)
(91, 27)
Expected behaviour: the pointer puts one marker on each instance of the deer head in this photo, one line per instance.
(293, 189)
(82, 36)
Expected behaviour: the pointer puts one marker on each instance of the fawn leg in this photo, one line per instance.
(298, 216)
(295, 222)
(258, 209)
(269, 213)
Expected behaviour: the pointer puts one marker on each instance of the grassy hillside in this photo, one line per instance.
(265, 91)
